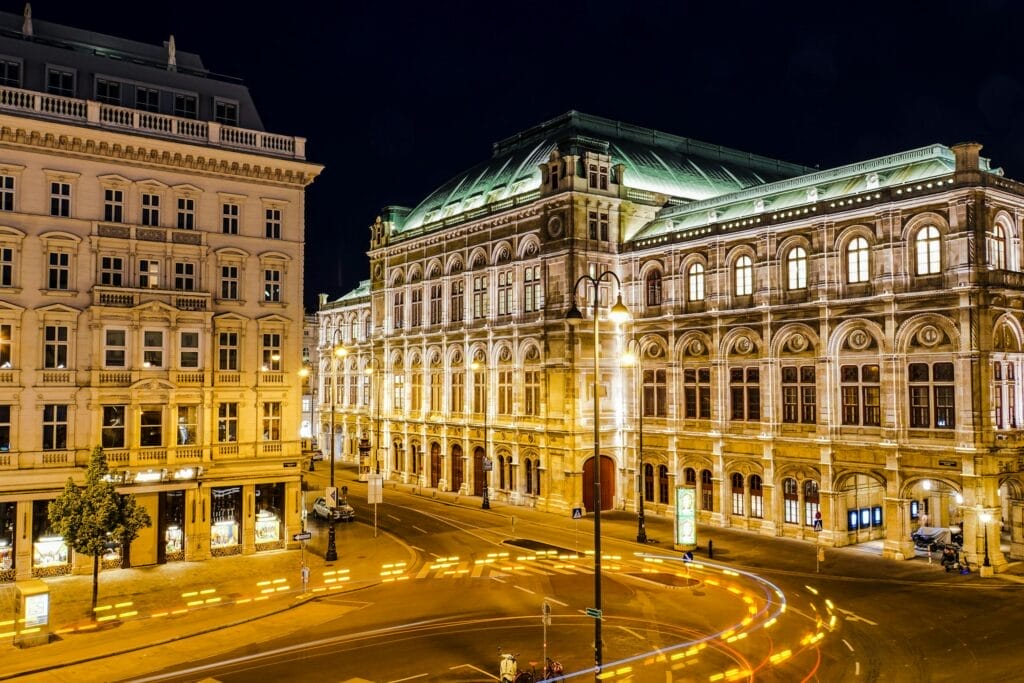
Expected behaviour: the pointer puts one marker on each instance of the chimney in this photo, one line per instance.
(968, 161)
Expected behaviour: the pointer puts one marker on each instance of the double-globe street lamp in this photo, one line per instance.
(337, 353)
(478, 367)
(634, 356)
(617, 314)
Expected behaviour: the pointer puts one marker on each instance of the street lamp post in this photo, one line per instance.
(634, 356)
(337, 352)
(486, 504)
(985, 519)
(617, 314)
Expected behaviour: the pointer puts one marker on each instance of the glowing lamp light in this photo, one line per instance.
(148, 476)
(927, 485)
(959, 499)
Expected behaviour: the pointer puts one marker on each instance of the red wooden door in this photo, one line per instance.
(607, 483)
(456, 468)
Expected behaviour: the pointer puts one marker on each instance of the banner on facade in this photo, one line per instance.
(686, 515)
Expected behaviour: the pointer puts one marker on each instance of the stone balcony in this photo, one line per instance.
(124, 297)
(123, 119)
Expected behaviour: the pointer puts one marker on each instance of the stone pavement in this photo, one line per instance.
(247, 599)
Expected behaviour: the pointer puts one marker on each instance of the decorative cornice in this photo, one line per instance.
(30, 135)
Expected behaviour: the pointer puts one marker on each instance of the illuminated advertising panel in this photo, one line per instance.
(686, 515)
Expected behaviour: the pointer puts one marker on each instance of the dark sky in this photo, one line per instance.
(395, 98)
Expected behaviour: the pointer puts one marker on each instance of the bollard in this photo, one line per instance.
(711, 549)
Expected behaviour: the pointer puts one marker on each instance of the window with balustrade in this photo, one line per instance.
(150, 209)
(227, 422)
(60, 81)
(152, 349)
(55, 346)
(270, 352)
(271, 421)
(151, 426)
(185, 106)
(111, 271)
(186, 213)
(115, 348)
(112, 432)
(225, 113)
(10, 73)
(55, 427)
(227, 351)
(188, 349)
(108, 92)
(147, 99)
(113, 205)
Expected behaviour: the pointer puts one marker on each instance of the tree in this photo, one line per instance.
(95, 517)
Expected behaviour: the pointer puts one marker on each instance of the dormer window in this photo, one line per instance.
(185, 106)
(598, 178)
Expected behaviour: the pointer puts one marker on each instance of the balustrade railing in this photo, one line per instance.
(163, 125)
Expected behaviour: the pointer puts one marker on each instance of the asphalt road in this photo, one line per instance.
(480, 588)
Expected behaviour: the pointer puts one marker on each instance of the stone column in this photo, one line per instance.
(898, 545)
(248, 519)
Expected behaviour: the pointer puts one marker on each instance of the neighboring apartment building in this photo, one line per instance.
(843, 342)
(151, 250)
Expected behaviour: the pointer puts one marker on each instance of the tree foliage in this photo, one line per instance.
(95, 517)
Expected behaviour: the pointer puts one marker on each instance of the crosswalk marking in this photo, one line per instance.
(448, 568)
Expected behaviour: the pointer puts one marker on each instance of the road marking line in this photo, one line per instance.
(853, 617)
(422, 531)
(632, 633)
(419, 550)
(856, 670)
(525, 590)
(410, 678)
(847, 645)
(498, 579)
(557, 602)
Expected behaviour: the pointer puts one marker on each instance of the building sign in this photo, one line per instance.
(686, 515)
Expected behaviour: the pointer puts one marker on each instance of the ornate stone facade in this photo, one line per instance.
(843, 342)
(150, 299)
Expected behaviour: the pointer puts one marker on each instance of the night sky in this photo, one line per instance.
(395, 98)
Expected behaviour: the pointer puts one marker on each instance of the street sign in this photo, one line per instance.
(303, 536)
(331, 494)
(488, 465)
(375, 488)
(577, 513)
(592, 612)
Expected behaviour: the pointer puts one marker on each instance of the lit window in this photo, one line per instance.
(996, 243)
(796, 267)
(857, 260)
(114, 348)
(696, 282)
(189, 350)
(744, 272)
(927, 246)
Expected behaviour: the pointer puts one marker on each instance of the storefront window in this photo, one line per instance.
(269, 499)
(172, 522)
(226, 531)
(49, 552)
(7, 528)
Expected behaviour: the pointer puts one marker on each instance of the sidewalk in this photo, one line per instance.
(161, 604)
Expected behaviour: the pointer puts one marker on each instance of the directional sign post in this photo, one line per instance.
(304, 536)
(594, 613)
(374, 494)
(577, 513)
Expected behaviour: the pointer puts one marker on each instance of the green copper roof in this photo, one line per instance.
(923, 164)
(654, 161)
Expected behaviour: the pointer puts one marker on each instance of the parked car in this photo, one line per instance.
(343, 513)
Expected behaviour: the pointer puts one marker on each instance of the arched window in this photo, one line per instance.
(737, 494)
(662, 484)
(744, 271)
(536, 477)
(756, 497)
(690, 476)
(926, 247)
(790, 501)
(654, 288)
(996, 246)
(649, 483)
(811, 501)
(796, 268)
(501, 472)
(707, 491)
(857, 260)
(696, 280)
(528, 468)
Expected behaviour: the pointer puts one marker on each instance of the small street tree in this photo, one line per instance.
(95, 517)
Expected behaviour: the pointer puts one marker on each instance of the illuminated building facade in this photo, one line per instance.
(843, 341)
(151, 246)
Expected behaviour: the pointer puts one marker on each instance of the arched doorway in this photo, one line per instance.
(456, 468)
(860, 499)
(607, 483)
(478, 471)
(435, 464)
